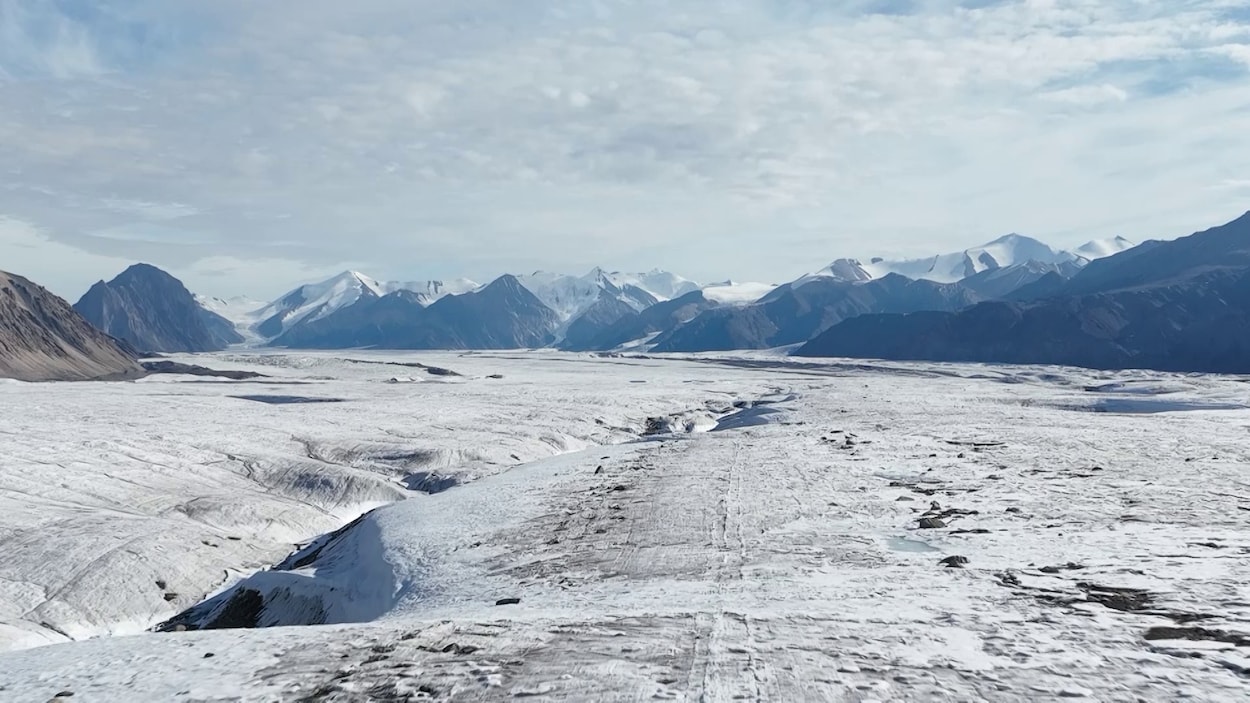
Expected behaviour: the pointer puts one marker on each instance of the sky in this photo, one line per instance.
(249, 146)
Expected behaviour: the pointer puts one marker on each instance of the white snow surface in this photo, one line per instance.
(1102, 248)
(314, 301)
(241, 310)
(429, 291)
(661, 284)
(568, 296)
(737, 293)
(949, 268)
(1104, 519)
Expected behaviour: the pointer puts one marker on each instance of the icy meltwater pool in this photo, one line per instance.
(903, 544)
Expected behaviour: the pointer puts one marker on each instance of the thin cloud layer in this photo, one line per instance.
(741, 138)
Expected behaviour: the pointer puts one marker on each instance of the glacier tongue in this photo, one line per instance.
(885, 531)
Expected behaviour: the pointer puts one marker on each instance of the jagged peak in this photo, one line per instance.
(143, 270)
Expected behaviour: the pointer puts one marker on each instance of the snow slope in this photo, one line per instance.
(661, 284)
(243, 311)
(428, 291)
(1098, 518)
(737, 293)
(568, 296)
(949, 268)
(571, 296)
(1102, 248)
(848, 270)
(315, 301)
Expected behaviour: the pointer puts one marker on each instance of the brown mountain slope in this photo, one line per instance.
(43, 339)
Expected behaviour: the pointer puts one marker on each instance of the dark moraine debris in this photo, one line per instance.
(431, 370)
(173, 367)
(1070, 566)
(307, 555)
(241, 611)
(430, 482)
(1197, 634)
(1125, 600)
(287, 399)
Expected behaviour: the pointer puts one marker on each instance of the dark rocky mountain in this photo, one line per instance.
(607, 310)
(797, 312)
(503, 315)
(658, 318)
(1160, 263)
(43, 339)
(153, 312)
(1181, 305)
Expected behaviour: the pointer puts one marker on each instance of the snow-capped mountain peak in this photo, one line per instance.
(1004, 252)
(314, 301)
(1102, 248)
(570, 296)
(1008, 250)
(662, 285)
(848, 270)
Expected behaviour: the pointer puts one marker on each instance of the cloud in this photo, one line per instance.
(27, 251)
(148, 210)
(1088, 95)
(753, 140)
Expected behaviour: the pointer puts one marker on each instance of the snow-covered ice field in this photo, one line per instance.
(781, 532)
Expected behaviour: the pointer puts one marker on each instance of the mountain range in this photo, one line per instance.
(310, 303)
(1015, 299)
(602, 310)
(502, 315)
(1182, 305)
(598, 311)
